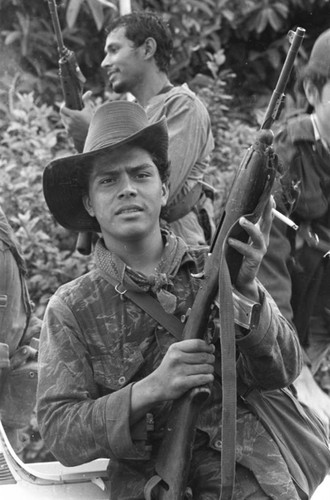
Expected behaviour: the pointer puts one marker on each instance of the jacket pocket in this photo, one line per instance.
(114, 372)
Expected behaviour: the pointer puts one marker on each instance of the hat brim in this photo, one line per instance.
(63, 192)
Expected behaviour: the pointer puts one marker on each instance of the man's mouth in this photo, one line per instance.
(128, 210)
(112, 75)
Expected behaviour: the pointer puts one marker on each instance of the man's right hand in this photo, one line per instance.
(187, 364)
(76, 122)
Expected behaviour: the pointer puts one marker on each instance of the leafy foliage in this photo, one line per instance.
(29, 140)
(248, 36)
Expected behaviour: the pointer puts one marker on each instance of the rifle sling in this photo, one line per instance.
(228, 379)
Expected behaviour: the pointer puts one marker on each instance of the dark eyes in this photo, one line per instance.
(108, 180)
(142, 175)
(112, 50)
(134, 176)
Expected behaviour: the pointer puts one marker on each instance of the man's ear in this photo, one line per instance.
(311, 92)
(87, 204)
(165, 193)
(150, 47)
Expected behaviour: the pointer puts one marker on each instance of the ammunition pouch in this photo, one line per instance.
(18, 394)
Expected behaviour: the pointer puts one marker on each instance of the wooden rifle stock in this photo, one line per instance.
(249, 194)
(72, 81)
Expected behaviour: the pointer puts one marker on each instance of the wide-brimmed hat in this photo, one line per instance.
(113, 125)
(319, 60)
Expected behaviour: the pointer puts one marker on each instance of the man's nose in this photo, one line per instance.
(106, 61)
(127, 187)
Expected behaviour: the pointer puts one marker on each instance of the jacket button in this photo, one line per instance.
(122, 380)
(218, 444)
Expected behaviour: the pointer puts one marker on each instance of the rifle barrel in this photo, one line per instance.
(276, 100)
(56, 24)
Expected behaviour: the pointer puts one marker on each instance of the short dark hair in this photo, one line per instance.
(142, 25)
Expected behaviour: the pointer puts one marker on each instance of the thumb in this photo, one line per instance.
(87, 99)
(21, 355)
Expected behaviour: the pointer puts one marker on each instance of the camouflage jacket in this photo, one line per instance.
(96, 343)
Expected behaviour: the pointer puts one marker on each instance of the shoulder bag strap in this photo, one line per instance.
(152, 307)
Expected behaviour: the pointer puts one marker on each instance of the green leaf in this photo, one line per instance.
(12, 37)
(73, 11)
(275, 20)
(282, 9)
(97, 12)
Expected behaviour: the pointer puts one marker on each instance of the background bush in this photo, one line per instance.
(31, 136)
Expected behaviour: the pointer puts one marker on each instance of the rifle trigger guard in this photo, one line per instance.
(151, 487)
(120, 292)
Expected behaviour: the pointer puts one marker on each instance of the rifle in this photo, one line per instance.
(248, 196)
(72, 81)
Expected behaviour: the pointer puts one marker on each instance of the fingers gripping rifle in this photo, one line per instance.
(72, 81)
(248, 196)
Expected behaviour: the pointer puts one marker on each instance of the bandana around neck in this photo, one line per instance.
(159, 283)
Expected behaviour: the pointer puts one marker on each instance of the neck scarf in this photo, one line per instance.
(160, 283)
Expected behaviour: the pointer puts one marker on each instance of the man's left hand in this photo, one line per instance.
(253, 251)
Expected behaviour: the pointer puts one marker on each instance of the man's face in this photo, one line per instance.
(322, 108)
(123, 61)
(321, 103)
(126, 195)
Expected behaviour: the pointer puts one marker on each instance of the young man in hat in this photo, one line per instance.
(108, 370)
(138, 51)
(296, 268)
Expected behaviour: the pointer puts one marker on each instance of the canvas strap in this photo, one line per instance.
(228, 377)
(152, 307)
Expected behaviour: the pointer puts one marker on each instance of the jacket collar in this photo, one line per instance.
(301, 129)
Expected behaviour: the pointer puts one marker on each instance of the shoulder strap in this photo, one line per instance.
(151, 306)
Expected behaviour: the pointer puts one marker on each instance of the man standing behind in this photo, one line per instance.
(138, 51)
(296, 269)
(108, 370)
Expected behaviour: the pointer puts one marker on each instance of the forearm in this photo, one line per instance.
(143, 398)
(270, 354)
(78, 430)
